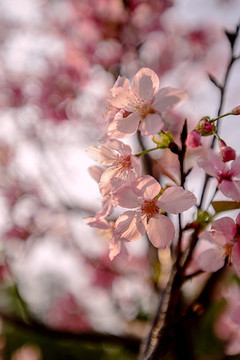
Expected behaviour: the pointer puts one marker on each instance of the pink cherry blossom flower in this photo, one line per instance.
(143, 195)
(142, 105)
(225, 240)
(227, 175)
(121, 165)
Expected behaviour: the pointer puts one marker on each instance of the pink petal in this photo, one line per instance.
(114, 247)
(102, 154)
(235, 315)
(119, 146)
(216, 161)
(151, 125)
(160, 231)
(97, 222)
(147, 187)
(121, 126)
(225, 228)
(175, 200)
(121, 83)
(207, 166)
(213, 164)
(230, 189)
(211, 260)
(145, 83)
(233, 347)
(126, 198)
(96, 172)
(136, 165)
(120, 99)
(130, 226)
(236, 167)
(167, 98)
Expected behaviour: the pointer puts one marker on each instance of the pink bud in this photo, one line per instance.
(236, 110)
(227, 153)
(206, 126)
(193, 139)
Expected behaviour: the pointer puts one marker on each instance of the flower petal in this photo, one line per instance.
(236, 167)
(231, 189)
(147, 187)
(126, 198)
(119, 146)
(102, 154)
(236, 257)
(151, 125)
(175, 200)
(211, 260)
(130, 226)
(122, 126)
(160, 231)
(225, 229)
(145, 83)
(167, 98)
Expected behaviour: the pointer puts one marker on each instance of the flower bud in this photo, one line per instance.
(193, 139)
(227, 153)
(205, 127)
(164, 141)
(236, 110)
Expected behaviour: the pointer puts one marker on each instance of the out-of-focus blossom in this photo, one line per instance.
(67, 315)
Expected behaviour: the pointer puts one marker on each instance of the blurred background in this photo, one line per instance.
(60, 295)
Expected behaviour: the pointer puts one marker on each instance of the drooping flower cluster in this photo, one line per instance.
(122, 182)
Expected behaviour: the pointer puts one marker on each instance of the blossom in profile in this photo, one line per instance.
(224, 238)
(227, 174)
(142, 105)
(148, 214)
(121, 164)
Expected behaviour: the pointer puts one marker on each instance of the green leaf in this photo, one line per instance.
(220, 206)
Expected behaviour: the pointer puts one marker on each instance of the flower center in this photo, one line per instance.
(225, 175)
(150, 208)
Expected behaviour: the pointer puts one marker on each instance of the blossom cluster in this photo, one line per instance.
(123, 182)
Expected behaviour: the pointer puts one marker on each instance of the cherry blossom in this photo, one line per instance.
(228, 175)
(148, 216)
(224, 237)
(142, 106)
(121, 164)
